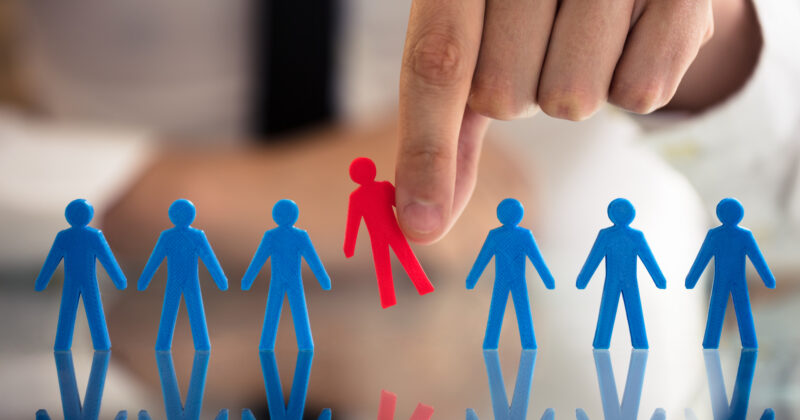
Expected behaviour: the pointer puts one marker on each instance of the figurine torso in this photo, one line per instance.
(621, 251)
(287, 245)
(181, 248)
(80, 246)
(375, 201)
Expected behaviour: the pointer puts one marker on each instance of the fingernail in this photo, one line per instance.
(422, 217)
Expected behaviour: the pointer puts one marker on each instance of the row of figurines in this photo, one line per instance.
(294, 408)
(184, 246)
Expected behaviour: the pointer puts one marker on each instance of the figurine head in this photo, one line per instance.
(621, 212)
(79, 213)
(362, 170)
(510, 212)
(285, 212)
(730, 211)
(182, 212)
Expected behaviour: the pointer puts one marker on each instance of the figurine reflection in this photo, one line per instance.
(518, 410)
(628, 409)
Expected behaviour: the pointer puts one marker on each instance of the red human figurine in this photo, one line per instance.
(374, 201)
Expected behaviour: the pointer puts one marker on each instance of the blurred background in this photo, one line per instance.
(236, 104)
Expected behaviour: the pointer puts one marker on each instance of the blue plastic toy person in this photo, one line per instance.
(287, 245)
(80, 246)
(730, 245)
(511, 245)
(621, 246)
(182, 246)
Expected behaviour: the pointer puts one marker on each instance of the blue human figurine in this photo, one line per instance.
(80, 246)
(287, 245)
(510, 245)
(730, 245)
(183, 246)
(621, 246)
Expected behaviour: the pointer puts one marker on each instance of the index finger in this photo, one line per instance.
(440, 54)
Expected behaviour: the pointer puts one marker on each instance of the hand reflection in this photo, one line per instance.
(68, 385)
(518, 410)
(629, 408)
(737, 408)
(297, 398)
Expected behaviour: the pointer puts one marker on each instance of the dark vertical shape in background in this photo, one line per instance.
(294, 62)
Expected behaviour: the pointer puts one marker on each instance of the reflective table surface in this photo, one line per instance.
(402, 377)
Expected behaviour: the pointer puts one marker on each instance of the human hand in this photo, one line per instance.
(466, 61)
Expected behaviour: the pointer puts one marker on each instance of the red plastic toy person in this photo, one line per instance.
(374, 201)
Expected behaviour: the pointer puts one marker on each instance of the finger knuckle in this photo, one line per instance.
(428, 156)
(437, 57)
(569, 103)
(497, 97)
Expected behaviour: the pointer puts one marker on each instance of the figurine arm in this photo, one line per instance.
(484, 256)
(259, 259)
(108, 261)
(700, 263)
(351, 232)
(152, 265)
(650, 264)
(595, 256)
(315, 263)
(50, 264)
(538, 262)
(211, 262)
(759, 263)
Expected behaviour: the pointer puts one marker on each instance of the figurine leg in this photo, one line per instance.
(302, 328)
(744, 316)
(197, 384)
(297, 398)
(68, 385)
(412, 266)
(66, 319)
(497, 310)
(94, 388)
(383, 270)
(169, 314)
(422, 412)
(272, 382)
(197, 318)
(173, 405)
(272, 318)
(605, 321)
(633, 309)
(522, 307)
(96, 319)
(387, 405)
(716, 314)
